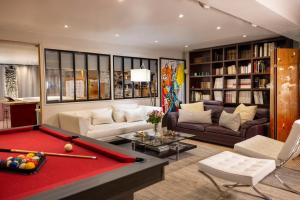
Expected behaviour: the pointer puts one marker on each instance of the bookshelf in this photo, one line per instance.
(234, 73)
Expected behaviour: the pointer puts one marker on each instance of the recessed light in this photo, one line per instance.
(218, 27)
(244, 35)
(254, 25)
(66, 26)
(120, 1)
(155, 41)
(186, 46)
(117, 35)
(206, 6)
(181, 15)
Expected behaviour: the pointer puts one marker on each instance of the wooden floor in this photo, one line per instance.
(184, 182)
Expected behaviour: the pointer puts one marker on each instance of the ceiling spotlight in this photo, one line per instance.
(181, 15)
(218, 27)
(254, 25)
(155, 41)
(244, 36)
(186, 46)
(120, 1)
(117, 35)
(66, 26)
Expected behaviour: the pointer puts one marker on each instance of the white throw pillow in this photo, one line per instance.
(119, 111)
(102, 116)
(230, 120)
(193, 107)
(192, 117)
(247, 112)
(134, 115)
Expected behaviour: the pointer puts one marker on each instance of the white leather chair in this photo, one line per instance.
(249, 171)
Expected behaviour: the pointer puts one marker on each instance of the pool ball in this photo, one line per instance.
(68, 147)
(29, 165)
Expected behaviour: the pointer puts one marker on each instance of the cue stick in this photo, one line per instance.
(48, 153)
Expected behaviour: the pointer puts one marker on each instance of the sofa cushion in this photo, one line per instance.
(102, 116)
(192, 126)
(119, 111)
(194, 117)
(215, 112)
(230, 120)
(108, 131)
(222, 130)
(247, 112)
(133, 115)
(193, 107)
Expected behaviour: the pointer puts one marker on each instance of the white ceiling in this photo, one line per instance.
(138, 22)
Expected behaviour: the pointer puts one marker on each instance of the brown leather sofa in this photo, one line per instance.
(214, 133)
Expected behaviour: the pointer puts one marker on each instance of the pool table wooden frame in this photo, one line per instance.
(119, 184)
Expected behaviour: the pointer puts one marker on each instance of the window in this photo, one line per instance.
(76, 76)
(124, 88)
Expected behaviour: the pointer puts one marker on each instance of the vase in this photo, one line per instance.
(155, 128)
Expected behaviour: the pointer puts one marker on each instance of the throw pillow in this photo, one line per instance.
(192, 117)
(193, 107)
(102, 116)
(230, 120)
(134, 115)
(247, 112)
(119, 111)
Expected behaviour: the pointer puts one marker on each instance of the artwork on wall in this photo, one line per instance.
(172, 83)
(11, 89)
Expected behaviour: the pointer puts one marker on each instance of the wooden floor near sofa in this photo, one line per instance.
(183, 182)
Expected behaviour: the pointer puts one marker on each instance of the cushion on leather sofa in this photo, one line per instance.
(193, 126)
(222, 130)
(215, 112)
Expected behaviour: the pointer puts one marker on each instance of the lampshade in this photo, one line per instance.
(140, 75)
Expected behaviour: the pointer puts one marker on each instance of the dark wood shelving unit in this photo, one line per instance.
(244, 64)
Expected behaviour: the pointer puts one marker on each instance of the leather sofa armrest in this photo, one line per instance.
(255, 127)
(172, 119)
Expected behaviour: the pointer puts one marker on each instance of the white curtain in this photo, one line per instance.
(28, 81)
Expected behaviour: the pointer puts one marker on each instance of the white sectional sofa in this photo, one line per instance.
(106, 123)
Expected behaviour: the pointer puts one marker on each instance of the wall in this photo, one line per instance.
(49, 111)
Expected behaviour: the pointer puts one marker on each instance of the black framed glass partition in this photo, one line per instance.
(76, 76)
(124, 88)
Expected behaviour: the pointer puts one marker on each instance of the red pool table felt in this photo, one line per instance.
(57, 171)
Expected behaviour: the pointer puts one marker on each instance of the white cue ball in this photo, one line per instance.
(68, 147)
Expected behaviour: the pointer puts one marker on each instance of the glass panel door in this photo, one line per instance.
(137, 86)
(93, 83)
(68, 89)
(52, 76)
(104, 77)
(118, 77)
(80, 76)
(128, 90)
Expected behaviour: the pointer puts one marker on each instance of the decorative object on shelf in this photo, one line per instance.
(172, 83)
(155, 118)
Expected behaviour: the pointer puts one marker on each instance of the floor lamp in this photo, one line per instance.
(142, 75)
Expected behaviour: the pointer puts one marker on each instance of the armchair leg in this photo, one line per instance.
(289, 188)
(261, 195)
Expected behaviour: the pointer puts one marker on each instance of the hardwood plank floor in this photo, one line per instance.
(184, 182)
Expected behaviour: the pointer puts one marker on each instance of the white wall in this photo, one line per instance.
(49, 111)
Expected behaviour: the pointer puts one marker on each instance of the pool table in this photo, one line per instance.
(116, 173)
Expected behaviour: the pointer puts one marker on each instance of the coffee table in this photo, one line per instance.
(160, 146)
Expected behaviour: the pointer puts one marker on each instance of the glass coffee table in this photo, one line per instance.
(160, 146)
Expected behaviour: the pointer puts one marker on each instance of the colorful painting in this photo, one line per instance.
(172, 84)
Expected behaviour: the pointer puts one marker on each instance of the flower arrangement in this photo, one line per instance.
(155, 117)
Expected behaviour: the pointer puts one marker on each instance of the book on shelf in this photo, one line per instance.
(260, 67)
(260, 82)
(199, 96)
(218, 83)
(245, 83)
(231, 83)
(231, 69)
(230, 96)
(263, 50)
(261, 97)
(245, 97)
(218, 96)
(230, 54)
(245, 69)
(219, 71)
(205, 85)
